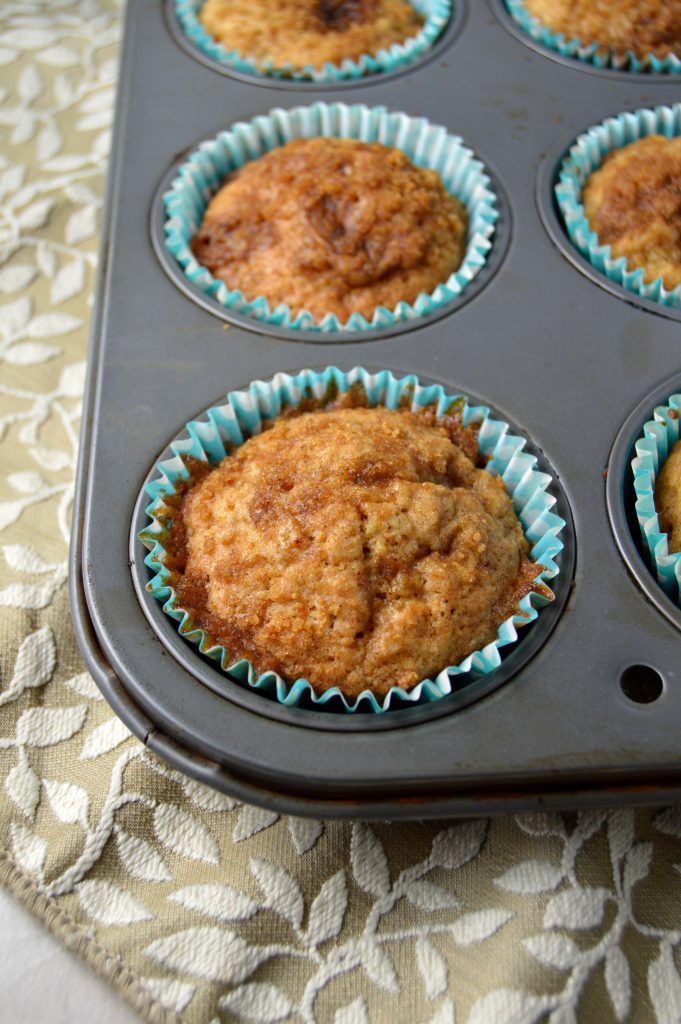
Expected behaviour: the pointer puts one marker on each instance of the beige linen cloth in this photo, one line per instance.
(195, 907)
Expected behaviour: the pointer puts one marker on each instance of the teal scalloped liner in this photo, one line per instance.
(426, 145)
(436, 14)
(659, 437)
(242, 416)
(585, 156)
(590, 53)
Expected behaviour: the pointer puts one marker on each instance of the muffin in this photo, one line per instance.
(633, 204)
(303, 33)
(355, 547)
(668, 498)
(332, 225)
(641, 27)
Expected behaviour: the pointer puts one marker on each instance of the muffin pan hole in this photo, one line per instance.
(547, 178)
(641, 684)
(442, 43)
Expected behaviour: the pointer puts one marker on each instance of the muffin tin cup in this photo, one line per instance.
(493, 262)
(552, 218)
(590, 54)
(629, 491)
(243, 415)
(652, 449)
(427, 145)
(585, 156)
(436, 14)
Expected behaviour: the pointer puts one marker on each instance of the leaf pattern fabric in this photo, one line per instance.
(201, 909)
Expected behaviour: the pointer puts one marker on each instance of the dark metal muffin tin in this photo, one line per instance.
(562, 355)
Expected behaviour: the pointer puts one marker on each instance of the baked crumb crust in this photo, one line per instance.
(354, 547)
(642, 26)
(633, 203)
(333, 226)
(668, 497)
(304, 33)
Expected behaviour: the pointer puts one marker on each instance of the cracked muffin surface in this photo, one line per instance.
(642, 26)
(309, 32)
(633, 203)
(668, 497)
(332, 226)
(354, 547)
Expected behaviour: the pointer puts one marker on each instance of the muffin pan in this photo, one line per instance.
(590, 709)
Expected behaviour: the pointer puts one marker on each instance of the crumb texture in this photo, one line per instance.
(303, 33)
(668, 497)
(642, 26)
(355, 547)
(333, 226)
(633, 203)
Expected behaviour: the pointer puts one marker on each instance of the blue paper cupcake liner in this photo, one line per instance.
(659, 437)
(597, 55)
(427, 145)
(436, 14)
(242, 416)
(586, 156)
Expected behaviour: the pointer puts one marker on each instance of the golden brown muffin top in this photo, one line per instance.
(309, 32)
(668, 497)
(354, 547)
(642, 26)
(633, 203)
(332, 226)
